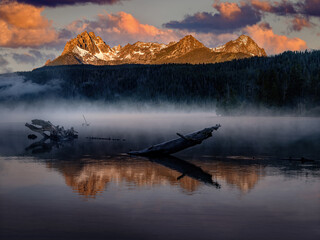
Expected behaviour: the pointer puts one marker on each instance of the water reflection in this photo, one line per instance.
(89, 189)
(244, 177)
(90, 177)
(186, 169)
(45, 145)
(88, 165)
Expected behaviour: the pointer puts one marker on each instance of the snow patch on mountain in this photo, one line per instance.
(80, 51)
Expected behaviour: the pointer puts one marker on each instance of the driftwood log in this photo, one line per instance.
(178, 144)
(45, 145)
(48, 130)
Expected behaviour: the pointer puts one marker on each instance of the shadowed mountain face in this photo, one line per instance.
(87, 48)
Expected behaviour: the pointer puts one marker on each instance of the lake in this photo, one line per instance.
(256, 178)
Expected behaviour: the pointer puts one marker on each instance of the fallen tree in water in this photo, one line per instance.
(48, 130)
(178, 144)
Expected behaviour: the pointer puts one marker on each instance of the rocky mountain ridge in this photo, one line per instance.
(87, 48)
(243, 44)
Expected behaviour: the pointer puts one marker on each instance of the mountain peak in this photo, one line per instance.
(91, 34)
(88, 42)
(87, 48)
(117, 48)
(244, 38)
(188, 37)
(86, 34)
(187, 44)
(191, 40)
(84, 41)
(243, 44)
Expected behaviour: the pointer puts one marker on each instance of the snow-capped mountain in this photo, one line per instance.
(87, 48)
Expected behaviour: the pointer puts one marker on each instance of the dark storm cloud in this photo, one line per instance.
(233, 16)
(308, 8)
(56, 3)
(301, 11)
(228, 19)
(278, 8)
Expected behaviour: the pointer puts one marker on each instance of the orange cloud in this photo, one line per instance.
(227, 9)
(273, 43)
(282, 7)
(22, 25)
(261, 5)
(122, 28)
(299, 23)
(127, 23)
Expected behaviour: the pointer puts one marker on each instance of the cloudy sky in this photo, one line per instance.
(33, 31)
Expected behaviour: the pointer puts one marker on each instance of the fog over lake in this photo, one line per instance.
(265, 171)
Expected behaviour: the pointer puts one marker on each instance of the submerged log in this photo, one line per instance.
(48, 130)
(178, 144)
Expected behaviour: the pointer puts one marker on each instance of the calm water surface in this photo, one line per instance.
(246, 182)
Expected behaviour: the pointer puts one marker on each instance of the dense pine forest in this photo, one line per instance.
(287, 82)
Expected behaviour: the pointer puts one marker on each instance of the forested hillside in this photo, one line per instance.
(289, 81)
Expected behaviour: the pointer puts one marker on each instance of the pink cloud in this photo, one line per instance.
(22, 25)
(227, 9)
(273, 43)
(230, 17)
(262, 5)
(282, 7)
(298, 23)
(307, 8)
(122, 28)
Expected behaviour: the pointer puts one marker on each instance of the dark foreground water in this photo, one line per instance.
(246, 182)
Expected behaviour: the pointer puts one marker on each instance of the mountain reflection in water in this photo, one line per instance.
(243, 177)
(90, 177)
(90, 189)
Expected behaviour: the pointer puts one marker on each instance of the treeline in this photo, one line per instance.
(289, 81)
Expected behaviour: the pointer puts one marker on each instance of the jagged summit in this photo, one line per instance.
(243, 44)
(90, 48)
(86, 41)
(189, 43)
(87, 48)
(190, 40)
